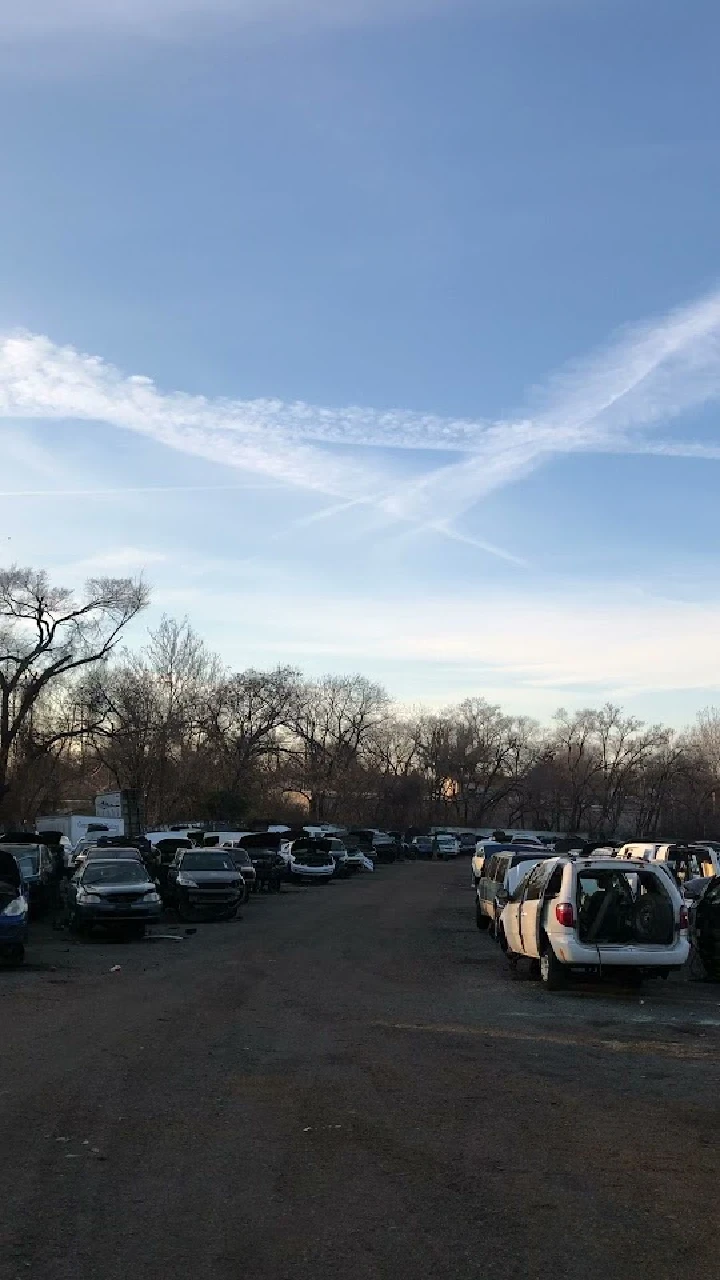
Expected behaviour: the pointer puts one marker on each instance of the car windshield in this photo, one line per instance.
(121, 871)
(208, 862)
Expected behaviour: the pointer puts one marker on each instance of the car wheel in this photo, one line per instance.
(246, 894)
(552, 971)
(76, 925)
(481, 919)
(137, 931)
(14, 954)
(185, 911)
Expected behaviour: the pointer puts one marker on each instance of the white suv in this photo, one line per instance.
(596, 913)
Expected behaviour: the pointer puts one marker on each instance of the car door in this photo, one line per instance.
(532, 906)
(511, 919)
(497, 880)
(487, 879)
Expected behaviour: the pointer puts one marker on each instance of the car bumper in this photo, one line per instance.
(13, 930)
(98, 913)
(634, 956)
(312, 873)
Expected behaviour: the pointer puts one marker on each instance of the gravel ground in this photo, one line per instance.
(349, 1082)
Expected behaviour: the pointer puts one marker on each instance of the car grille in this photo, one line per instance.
(123, 898)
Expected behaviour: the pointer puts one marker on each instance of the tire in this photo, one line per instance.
(552, 972)
(137, 931)
(185, 911)
(481, 919)
(14, 954)
(246, 895)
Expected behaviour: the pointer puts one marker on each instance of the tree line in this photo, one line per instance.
(194, 740)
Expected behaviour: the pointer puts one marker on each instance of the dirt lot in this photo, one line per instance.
(349, 1082)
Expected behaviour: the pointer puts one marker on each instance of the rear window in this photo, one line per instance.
(618, 907)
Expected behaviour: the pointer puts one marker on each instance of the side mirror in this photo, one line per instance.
(502, 897)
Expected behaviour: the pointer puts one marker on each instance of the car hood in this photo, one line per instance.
(9, 869)
(131, 886)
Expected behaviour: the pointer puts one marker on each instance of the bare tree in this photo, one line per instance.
(48, 633)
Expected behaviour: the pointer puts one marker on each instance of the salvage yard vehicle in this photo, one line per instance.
(244, 865)
(205, 881)
(336, 848)
(446, 845)
(378, 845)
(13, 909)
(112, 892)
(486, 849)
(38, 873)
(497, 876)
(423, 846)
(706, 927)
(594, 914)
(357, 860)
(269, 854)
(310, 861)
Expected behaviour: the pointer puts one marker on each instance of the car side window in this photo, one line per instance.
(534, 883)
(555, 885)
(501, 866)
(489, 868)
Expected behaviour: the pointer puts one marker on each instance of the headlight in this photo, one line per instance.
(151, 896)
(18, 907)
(187, 882)
(84, 896)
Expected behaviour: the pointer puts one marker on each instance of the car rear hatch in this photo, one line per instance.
(629, 916)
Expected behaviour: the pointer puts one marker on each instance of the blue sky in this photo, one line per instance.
(381, 336)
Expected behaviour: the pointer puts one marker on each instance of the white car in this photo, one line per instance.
(594, 914)
(446, 846)
(308, 862)
(484, 850)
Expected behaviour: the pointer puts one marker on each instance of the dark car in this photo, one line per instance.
(115, 892)
(244, 865)
(270, 866)
(378, 845)
(706, 927)
(205, 881)
(13, 909)
(37, 866)
(423, 846)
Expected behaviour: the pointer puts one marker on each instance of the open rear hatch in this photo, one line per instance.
(620, 908)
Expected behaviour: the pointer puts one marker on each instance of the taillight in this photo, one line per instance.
(684, 917)
(564, 914)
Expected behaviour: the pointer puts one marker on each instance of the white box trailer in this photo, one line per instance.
(76, 826)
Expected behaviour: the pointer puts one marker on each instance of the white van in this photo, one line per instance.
(216, 839)
(638, 850)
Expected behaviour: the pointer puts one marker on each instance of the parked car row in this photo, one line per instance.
(107, 880)
(609, 910)
(657, 880)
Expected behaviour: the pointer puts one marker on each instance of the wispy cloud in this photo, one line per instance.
(157, 17)
(614, 401)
